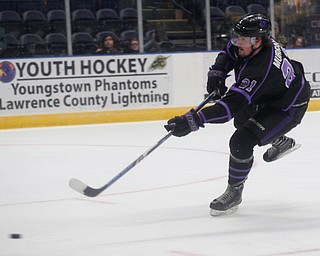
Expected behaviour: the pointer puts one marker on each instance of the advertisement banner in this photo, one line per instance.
(311, 67)
(84, 84)
(314, 29)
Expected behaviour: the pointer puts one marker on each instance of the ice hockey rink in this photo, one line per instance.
(161, 206)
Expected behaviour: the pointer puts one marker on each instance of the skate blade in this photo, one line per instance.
(296, 146)
(216, 213)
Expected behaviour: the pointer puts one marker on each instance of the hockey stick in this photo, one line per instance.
(86, 190)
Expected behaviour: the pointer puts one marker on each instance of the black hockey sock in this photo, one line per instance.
(239, 169)
(241, 143)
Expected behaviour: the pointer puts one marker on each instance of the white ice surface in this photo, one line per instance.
(160, 207)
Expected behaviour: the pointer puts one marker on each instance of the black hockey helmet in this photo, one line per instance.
(253, 25)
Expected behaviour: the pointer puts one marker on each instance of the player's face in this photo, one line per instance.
(244, 51)
(244, 44)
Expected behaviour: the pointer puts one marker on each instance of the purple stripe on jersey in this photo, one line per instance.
(212, 120)
(204, 119)
(223, 52)
(226, 108)
(281, 126)
(220, 118)
(243, 67)
(244, 93)
(238, 170)
(229, 45)
(256, 88)
(295, 98)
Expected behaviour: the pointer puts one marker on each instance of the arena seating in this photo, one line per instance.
(47, 19)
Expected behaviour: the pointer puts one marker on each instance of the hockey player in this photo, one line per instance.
(269, 86)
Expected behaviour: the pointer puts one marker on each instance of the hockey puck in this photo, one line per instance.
(15, 236)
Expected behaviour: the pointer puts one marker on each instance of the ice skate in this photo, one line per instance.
(280, 147)
(228, 202)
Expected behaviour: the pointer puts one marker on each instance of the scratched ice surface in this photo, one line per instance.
(160, 207)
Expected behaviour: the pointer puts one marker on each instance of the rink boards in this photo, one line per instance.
(119, 88)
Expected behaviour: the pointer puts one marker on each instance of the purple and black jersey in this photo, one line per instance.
(270, 78)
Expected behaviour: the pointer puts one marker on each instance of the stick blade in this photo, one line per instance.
(77, 185)
(84, 189)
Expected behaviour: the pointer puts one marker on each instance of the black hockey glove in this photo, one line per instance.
(183, 125)
(216, 81)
